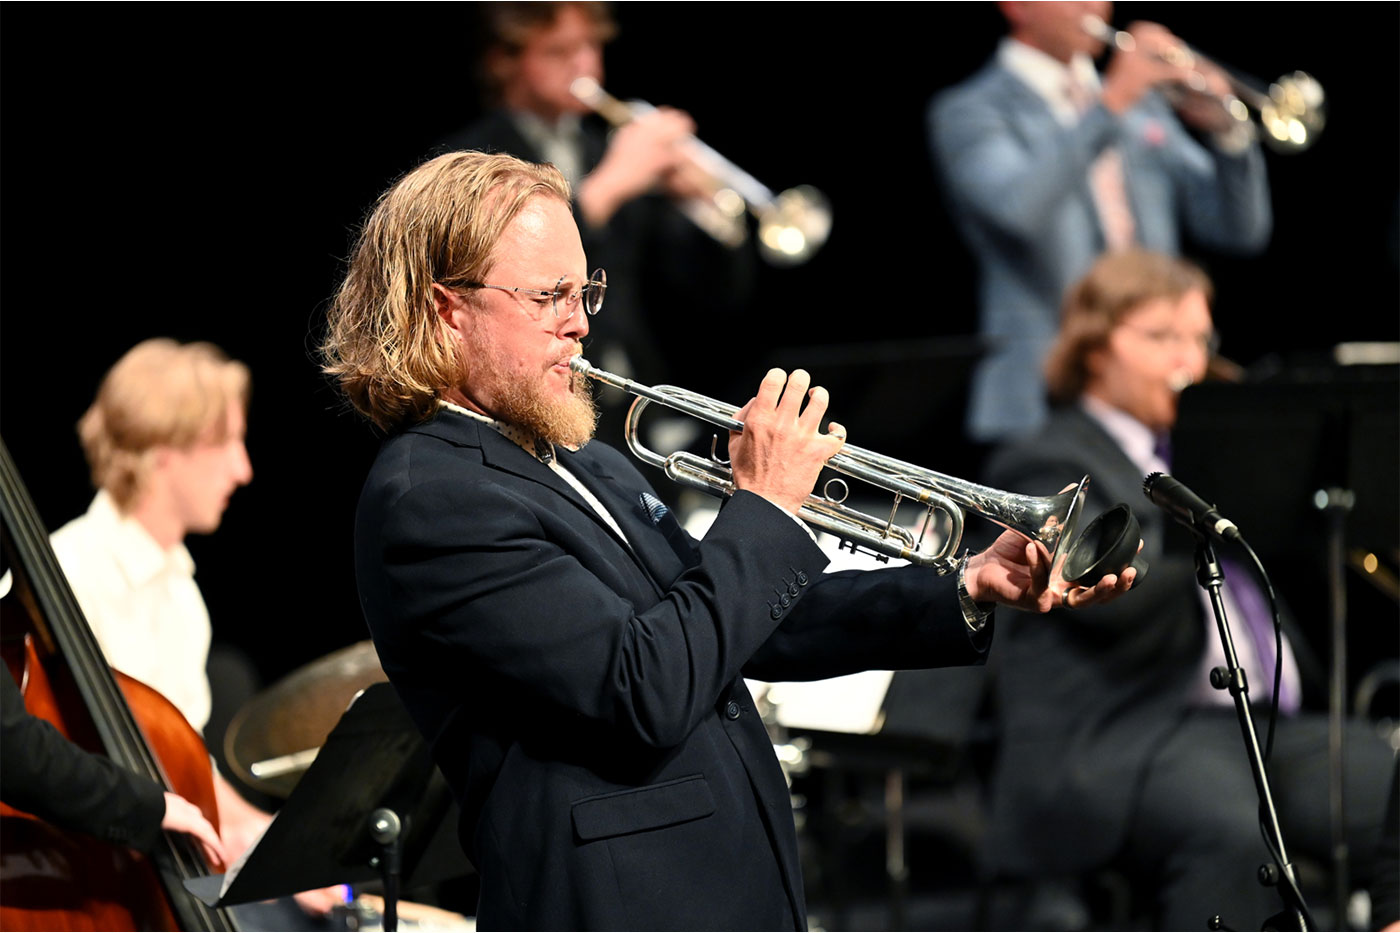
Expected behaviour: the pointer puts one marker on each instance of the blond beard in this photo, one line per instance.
(569, 422)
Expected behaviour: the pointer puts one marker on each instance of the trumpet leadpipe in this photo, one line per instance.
(792, 225)
(1052, 520)
(1291, 111)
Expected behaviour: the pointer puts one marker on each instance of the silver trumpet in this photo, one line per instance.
(1052, 519)
(1291, 113)
(791, 226)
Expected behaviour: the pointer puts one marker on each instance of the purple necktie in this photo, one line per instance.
(1253, 606)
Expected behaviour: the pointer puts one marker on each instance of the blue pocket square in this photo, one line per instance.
(654, 507)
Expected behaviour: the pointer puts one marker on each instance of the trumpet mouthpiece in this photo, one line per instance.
(1106, 33)
(579, 365)
(585, 89)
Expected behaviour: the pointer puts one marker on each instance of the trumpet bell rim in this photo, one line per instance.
(1068, 529)
(1109, 544)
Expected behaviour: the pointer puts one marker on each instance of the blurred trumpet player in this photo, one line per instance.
(1046, 164)
(626, 184)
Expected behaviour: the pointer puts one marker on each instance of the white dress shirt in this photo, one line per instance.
(141, 603)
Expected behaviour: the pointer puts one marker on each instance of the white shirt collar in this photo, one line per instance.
(139, 556)
(560, 142)
(540, 449)
(1048, 76)
(1135, 438)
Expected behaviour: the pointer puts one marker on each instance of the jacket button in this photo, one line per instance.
(777, 612)
(785, 600)
(731, 709)
(801, 578)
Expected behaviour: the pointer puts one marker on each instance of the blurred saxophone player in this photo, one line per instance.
(1115, 749)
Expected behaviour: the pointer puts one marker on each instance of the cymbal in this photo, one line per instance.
(274, 736)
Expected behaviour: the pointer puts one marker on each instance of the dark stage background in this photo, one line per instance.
(197, 170)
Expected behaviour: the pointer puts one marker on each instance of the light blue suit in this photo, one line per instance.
(1017, 184)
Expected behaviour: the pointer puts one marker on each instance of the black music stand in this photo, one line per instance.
(1291, 455)
(372, 806)
(925, 724)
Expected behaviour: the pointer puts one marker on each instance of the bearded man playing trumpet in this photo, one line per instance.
(574, 658)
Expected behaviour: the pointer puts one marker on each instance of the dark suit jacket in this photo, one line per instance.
(583, 695)
(1086, 696)
(43, 773)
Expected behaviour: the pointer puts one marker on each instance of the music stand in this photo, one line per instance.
(372, 805)
(1290, 456)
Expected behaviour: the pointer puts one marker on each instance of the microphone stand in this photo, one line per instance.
(1232, 678)
(1335, 505)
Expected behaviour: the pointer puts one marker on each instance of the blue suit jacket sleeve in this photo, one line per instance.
(1008, 166)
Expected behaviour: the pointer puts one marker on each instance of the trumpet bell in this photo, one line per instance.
(791, 226)
(794, 226)
(1293, 113)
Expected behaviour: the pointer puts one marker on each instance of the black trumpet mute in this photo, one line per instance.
(1108, 544)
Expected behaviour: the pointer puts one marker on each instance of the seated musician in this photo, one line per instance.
(164, 440)
(1115, 749)
(576, 660)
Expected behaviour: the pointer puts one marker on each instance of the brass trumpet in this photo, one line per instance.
(1291, 113)
(1052, 520)
(791, 226)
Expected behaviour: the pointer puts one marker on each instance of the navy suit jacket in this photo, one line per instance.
(1017, 183)
(43, 773)
(583, 695)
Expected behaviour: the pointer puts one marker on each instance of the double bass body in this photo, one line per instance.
(51, 879)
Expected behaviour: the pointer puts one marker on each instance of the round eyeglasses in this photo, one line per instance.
(569, 292)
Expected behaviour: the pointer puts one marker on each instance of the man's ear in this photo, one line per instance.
(1094, 361)
(451, 308)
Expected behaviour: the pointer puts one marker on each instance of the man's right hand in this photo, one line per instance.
(782, 449)
(642, 155)
(1157, 58)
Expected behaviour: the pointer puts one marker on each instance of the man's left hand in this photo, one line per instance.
(1017, 573)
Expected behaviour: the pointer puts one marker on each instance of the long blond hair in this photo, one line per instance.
(440, 223)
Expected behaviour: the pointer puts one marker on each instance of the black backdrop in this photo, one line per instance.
(196, 171)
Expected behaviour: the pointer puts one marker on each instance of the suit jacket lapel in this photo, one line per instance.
(648, 542)
(1109, 468)
(643, 544)
(501, 453)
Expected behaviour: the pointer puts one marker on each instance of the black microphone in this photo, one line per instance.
(1173, 497)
